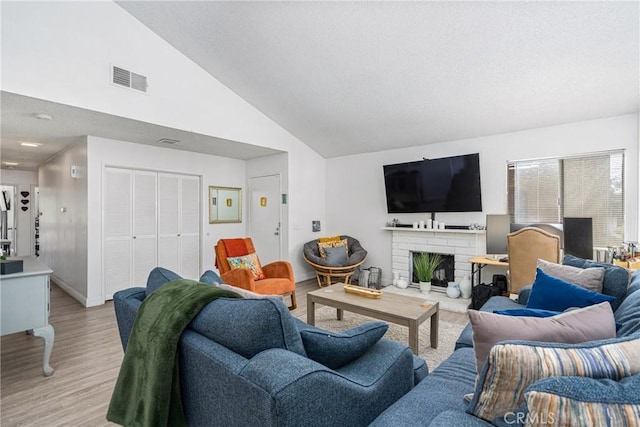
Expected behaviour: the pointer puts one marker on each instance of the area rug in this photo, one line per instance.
(448, 333)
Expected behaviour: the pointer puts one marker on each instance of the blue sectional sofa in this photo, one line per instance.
(243, 363)
(273, 383)
(438, 400)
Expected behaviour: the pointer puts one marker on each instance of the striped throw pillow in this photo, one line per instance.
(515, 365)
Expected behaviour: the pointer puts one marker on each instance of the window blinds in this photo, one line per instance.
(590, 186)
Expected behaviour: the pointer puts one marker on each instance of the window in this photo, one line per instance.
(589, 185)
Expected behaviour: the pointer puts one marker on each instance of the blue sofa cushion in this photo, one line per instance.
(616, 279)
(512, 366)
(443, 389)
(249, 326)
(552, 293)
(210, 277)
(606, 402)
(158, 277)
(628, 315)
(336, 349)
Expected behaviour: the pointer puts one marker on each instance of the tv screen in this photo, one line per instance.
(449, 184)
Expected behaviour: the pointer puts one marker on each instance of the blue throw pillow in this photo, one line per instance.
(615, 282)
(336, 349)
(528, 312)
(158, 277)
(210, 277)
(552, 293)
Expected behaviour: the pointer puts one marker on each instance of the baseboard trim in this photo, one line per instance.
(70, 290)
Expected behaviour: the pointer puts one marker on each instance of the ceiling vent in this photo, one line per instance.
(126, 78)
(168, 141)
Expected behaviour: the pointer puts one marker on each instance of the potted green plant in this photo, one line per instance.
(424, 265)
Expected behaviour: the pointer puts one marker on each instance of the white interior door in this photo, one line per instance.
(265, 217)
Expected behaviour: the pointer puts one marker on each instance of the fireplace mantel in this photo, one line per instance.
(433, 230)
(463, 244)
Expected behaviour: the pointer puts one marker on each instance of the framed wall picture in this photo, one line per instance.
(225, 205)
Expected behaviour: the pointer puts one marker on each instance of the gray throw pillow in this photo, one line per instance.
(336, 256)
(588, 278)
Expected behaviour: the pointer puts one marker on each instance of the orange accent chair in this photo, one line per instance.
(278, 275)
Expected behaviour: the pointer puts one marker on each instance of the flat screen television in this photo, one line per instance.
(449, 184)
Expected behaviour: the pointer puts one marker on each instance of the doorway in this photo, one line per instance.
(265, 217)
(8, 240)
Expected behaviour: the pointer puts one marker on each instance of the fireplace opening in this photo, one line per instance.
(444, 274)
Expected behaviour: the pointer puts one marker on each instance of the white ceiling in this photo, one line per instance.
(354, 77)
(70, 123)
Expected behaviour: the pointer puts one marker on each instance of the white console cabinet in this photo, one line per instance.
(24, 299)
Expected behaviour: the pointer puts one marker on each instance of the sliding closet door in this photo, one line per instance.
(190, 227)
(116, 211)
(144, 240)
(179, 224)
(130, 230)
(150, 219)
(168, 221)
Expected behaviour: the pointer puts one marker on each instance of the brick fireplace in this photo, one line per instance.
(461, 245)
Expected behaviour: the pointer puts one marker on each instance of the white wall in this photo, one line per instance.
(25, 220)
(219, 171)
(63, 224)
(78, 41)
(355, 184)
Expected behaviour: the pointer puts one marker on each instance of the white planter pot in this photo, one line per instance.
(465, 287)
(402, 283)
(453, 291)
(425, 287)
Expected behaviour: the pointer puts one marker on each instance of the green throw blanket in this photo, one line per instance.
(148, 389)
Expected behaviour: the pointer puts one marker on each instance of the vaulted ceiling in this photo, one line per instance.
(355, 77)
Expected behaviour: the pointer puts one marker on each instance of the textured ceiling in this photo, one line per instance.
(353, 77)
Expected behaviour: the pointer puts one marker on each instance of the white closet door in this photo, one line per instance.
(168, 221)
(150, 219)
(145, 228)
(117, 230)
(190, 227)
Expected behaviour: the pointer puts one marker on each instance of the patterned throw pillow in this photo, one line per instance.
(514, 366)
(331, 244)
(248, 261)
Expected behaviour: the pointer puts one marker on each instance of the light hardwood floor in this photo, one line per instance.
(86, 357)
